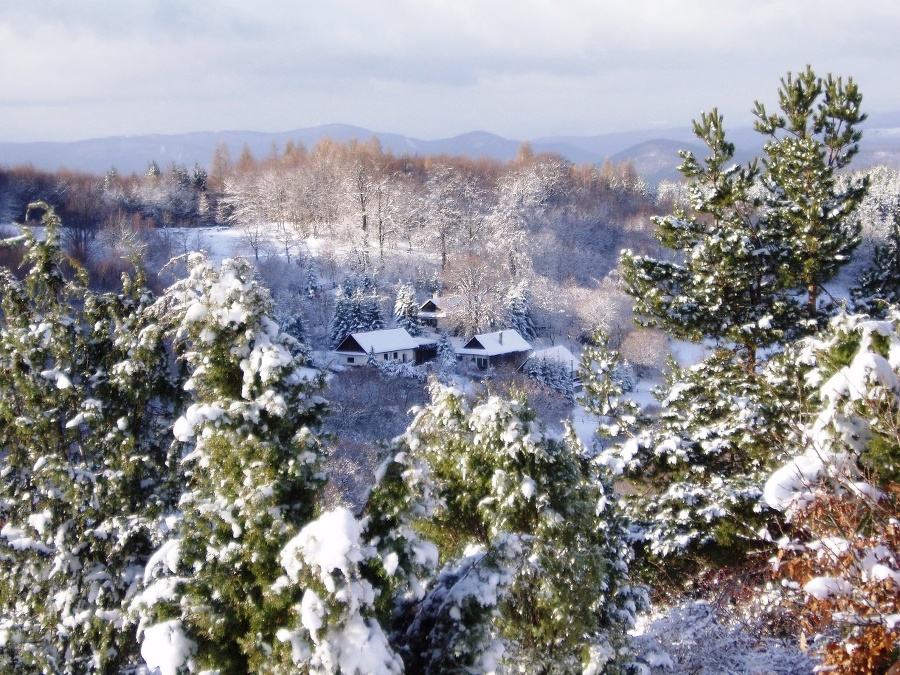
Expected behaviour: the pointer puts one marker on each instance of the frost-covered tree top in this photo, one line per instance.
(760, 237)
(251, 462)
(86, 395)
(517, 517)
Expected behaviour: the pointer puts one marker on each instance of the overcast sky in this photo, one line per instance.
(523, 69)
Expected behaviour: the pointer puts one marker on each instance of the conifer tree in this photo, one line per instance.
(518, 311)
(535, 560)
(86, 396)
(212, 595)
(355, 310)
(752, 261)
(341, 320)
(815, 135)
(406, 311)
(727, 286)
(878, 286)
(446, 357)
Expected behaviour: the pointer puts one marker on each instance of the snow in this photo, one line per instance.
(825, 587)
(792, 480)
(168, 555)
(331, 542)
(166, 647)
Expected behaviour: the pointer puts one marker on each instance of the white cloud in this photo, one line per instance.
(522, 68)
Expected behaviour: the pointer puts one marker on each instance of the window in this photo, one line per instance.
(395, 355)
(350, 359)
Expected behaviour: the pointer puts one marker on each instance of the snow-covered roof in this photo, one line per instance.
(506, 341)
(379, 341)
(559, 354)
(439, 306)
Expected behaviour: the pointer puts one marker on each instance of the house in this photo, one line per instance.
(393, 344)
(489, 350)
(436, 312)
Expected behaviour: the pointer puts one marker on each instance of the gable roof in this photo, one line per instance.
(438, 306)
(507, 341)
(379, 341)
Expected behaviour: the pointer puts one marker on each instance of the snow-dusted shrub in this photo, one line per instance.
(408, 371)
(536, 562)
(841, 556)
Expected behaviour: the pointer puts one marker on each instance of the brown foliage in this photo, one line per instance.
(845, 534)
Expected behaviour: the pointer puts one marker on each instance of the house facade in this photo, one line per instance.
(490, 350)
(392, 344)
(437, 312)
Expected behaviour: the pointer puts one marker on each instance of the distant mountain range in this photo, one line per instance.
(653, 151)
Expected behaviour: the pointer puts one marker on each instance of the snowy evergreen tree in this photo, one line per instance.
(815, 135)
(355, 310)
(551, 374)
(518, 311)
(700, 468)
(878, 287)
(406, 310)
(313, 286)
(446, 357)
(86, 398)
(213, 595)
(341, 320)
(728, 286)
(751, 264)
(604, 393)
(368, 312)
(535, 573)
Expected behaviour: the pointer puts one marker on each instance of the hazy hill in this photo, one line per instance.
(654, 151)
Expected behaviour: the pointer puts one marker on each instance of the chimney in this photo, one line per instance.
(501, 337)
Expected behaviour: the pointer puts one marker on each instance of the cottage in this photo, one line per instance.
(393, 344)
(489, 350)
(436, 312)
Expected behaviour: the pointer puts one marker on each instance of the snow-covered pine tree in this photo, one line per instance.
(808, 203)
(518, 311)
(368, 312)
(535, 557)
(215, 595)
(87, 396)
(727, 286)
(878, 286)
(551, 374)
(446, 357)
(746, 264)
(355, 310)
(406, 310)
(341, 320)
